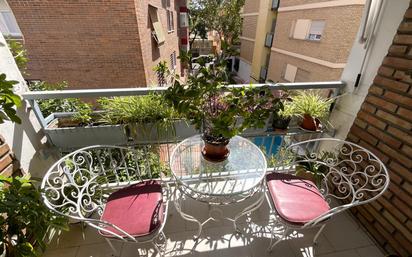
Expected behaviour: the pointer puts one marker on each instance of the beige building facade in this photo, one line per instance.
(312, 40)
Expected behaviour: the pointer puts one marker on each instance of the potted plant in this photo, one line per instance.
(281, 119)
(310, 107)
(8, 100)
(145, 118)
(25, 220)
(314, 169)
(218, 112)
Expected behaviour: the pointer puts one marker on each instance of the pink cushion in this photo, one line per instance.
(137, 209)
(296, 200)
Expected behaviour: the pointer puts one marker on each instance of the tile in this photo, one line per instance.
(76, 236)
(99, 250)
(65, 252)
(302, 245)
(346, 253)
(370, 251)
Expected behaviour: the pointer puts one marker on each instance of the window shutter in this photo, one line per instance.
(316, 30)
(290, 72)
(8, 24)
(157, 26)
(301, 29)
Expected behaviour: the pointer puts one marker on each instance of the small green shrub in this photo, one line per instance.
(8, 100)
(136, 109)
(19, 53)
(307, 102)
(26, 220)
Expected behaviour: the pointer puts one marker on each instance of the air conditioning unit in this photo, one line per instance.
(184, 21)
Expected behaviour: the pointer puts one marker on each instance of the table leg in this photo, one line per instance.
(185, 216)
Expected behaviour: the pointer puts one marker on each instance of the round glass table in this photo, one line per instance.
(218, 183)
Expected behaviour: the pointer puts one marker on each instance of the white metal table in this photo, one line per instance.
(218, 183)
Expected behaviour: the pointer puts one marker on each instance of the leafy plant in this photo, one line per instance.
(19, 53)
(83, 113)
(315, 166)
(8, 100)
(49, 106)
(25, 220)
(307, 102)
(219, 112)
(162, 73)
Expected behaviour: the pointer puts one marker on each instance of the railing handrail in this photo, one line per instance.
(87, 93)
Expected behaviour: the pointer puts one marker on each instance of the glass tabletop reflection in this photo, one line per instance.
(243, 170)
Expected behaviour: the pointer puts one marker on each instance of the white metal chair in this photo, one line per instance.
(116, 190)
(346, 175)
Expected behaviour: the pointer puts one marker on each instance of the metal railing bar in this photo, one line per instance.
(109, 92)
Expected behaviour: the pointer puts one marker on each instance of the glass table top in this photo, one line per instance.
(243, 170)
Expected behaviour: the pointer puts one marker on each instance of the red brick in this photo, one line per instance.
(403, 39)
(407, 150)
(383, 136)
(394, 119)
(371, 120)
(400, 63)
(367, 215)
(368, 107)
(8, 171)
(403, 76)
(407, 114)
(403, 207)
(395, 155)
(391, 84)
(400, 98)
(376, 90)
(408, 13)
(399, 226)
(397, 49)
(406, 243)
(371, 229)
(400, 193)
(405, 27)
(384, 158)
(353, 138)
(401, 170)
(379, 218)
(359, 132)
(361, 123)
(386, 71)
(392, 208)
(381, 103)
(404, 136)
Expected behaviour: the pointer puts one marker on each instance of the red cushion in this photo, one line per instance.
(137, 209)
(296, 200)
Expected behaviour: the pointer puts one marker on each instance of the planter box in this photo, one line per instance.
(77, 137)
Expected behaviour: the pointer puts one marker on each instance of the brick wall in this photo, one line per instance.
(90, 44)
(8, 163)
(384, 126)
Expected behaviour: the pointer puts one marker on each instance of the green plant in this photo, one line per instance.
(8, 100)
(25, 220)
(19, 53)
(307, 102)
(219, 112)
(162, 73)
(49, 106)
(83, 113)
(315, 166)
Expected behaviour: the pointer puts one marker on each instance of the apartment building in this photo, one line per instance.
(97, 44)
(311, 39)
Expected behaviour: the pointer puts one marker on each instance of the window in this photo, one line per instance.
(8, 24)
(269, 39)
(170, 21)
(173, 61)
(305, 29)
(275, 4)
(157, 32)
(290, 73)
(316, 29)
(302, 75)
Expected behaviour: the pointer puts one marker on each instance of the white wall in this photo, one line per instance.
(26, 140)
(244, 71)
(348, 106)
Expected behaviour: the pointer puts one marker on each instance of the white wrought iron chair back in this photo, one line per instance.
(347, 174)
(78, 185)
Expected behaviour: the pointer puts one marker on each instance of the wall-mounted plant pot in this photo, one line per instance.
(77, 137)
(280, 123)
(310, 123)
(152, 132)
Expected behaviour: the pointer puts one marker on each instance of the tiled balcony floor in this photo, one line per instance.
(342, 237)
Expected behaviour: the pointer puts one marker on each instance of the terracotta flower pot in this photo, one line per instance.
(215, 152)
(310, 123)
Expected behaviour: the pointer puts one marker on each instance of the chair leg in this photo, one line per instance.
(157, 249)
(315, 239)
(115, 251)
(279, 240)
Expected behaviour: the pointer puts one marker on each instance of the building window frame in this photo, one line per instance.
(307, 29)
(157, 28)
(170, 21)
(8, 24)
